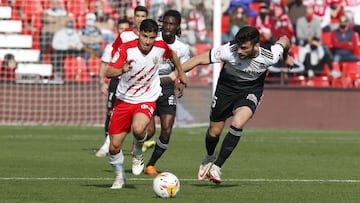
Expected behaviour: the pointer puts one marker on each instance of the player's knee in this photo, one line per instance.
(114, 149)
(165, 132)
(139, 132)
(215, 132)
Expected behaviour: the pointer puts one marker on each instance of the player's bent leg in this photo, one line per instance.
(117, 162)
(210, 142)
(137, 158)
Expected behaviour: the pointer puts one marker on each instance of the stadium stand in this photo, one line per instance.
(67, 101)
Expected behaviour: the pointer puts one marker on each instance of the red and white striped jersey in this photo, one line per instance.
(142, 82)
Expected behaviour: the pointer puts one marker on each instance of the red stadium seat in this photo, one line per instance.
(77, 7)
(319, 81)
(255, 6)
(297, 81)
(202, 47)
(75, 70)
(31, 16)
(351, 73)
(94, 65)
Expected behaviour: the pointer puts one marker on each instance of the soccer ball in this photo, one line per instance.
(166, 185)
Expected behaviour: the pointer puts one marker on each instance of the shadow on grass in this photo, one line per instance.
(127, 186)
(215, 186)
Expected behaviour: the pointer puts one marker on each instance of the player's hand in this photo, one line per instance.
(284, 41)
(104, 88)
(183, 79)
(289, 62)
(127, 65)
(179, 88)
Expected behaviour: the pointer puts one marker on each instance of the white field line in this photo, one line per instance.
(187, 179)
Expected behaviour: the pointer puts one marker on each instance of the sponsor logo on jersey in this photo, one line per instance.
(145, 106)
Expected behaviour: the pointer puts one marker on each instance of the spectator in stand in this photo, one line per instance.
(66, 42)
(312, 57)
(296, 10)
(322, 11)
(237, 19)
(352, 8)
(266, 38)
(283, 24)
(264, 20)
(307, 27)
(91, 37)
(104, 22)
(336, 11)
(54, 19)
(197, 23)
(8, 68)
(157, 8)
(344, 41)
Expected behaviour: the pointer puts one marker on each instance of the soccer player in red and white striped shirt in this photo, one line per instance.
(137, 62)
(129, 34)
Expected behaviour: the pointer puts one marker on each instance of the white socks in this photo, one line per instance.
(117, 162)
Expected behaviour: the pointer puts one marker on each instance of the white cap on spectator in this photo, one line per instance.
(90, 16)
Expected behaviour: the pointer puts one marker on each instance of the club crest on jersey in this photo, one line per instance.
(217, 54)
(252, 98)
(116, 57)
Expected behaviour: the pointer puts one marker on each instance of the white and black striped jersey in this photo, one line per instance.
(238, 74)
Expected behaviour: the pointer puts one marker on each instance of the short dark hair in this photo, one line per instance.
(124, 20)
(149, 25)
(141, 8)
(247, 33)
(173, 13)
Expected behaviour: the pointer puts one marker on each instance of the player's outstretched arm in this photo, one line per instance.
(103, 85)
(285, 43)
(178, 67)
(202, 59)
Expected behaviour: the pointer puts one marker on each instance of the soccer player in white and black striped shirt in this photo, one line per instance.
(238, 93)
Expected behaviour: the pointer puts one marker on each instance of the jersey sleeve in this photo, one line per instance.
(277, 51)
(168, 51)
(219, 54)
(119, 58)
(116, 45)
(106, 57)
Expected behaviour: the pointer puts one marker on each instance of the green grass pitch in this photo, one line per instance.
(58, 164)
